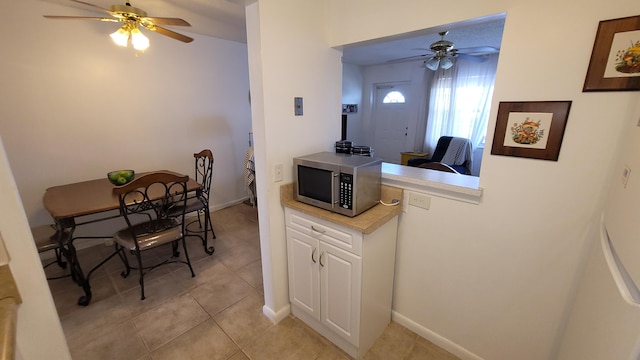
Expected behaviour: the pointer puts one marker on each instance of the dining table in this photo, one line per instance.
(82, 203)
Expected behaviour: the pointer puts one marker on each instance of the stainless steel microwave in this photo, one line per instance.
(342, 183)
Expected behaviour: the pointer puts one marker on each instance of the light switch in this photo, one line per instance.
(297, 106)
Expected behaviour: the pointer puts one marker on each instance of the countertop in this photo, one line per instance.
(9, 301)
(366, 223)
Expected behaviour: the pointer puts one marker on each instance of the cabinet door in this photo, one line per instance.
(304, 278)
(340, 280)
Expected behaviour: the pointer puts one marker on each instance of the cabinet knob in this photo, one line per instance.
(313, 255)
(321, 264)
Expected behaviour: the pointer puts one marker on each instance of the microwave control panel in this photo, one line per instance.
(346, 191)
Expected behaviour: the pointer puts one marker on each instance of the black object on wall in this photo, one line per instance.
(344, 127)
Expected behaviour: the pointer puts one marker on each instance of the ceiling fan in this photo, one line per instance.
(443, 53)
(131, 17)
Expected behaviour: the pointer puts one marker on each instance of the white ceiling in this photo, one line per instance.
(218, 18)
(225, 19)
(467, 34)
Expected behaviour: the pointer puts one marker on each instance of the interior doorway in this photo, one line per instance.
(390, 120)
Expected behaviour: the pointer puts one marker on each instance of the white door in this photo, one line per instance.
(340, 274)
(391, 121)
(304, 276)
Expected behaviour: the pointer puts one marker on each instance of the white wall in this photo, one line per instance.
(497, 278)
(289, 56)
(492, 280)
(76, 106)
(39, 334)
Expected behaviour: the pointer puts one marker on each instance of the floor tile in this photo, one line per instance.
(220, 292)
(252, 274)
(169, 320)
(215, 315)
(122, 343)
(287, 341)
(244, 320)
(205, 341)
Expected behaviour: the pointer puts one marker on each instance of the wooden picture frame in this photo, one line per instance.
(531, 129)
(615, 59)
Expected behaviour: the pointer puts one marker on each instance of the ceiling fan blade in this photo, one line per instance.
(474, 58)
(409, 58)
(169, 33)
(93, 6)
(479, 50)
(79, 18)
(167, 21)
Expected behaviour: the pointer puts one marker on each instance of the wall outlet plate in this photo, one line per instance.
(277, 173)
(419, 200)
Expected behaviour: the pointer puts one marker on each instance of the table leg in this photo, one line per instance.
(69, 252)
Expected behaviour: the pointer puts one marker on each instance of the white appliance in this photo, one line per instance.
(605, 321)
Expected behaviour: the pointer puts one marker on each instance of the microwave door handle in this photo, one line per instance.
(334, 187)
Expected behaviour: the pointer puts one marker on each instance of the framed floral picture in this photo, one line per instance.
(615, 59)
(532, 129)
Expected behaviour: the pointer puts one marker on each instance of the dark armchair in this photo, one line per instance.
(452, 151)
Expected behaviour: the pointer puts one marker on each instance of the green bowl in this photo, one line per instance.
(121, 177)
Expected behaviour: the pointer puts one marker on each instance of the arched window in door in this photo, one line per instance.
(393, 97)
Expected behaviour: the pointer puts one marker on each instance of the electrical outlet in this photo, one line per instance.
(277, 173)
(419, 200)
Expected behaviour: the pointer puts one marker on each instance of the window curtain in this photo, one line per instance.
(460, 102)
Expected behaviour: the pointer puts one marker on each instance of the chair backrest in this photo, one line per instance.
(441, 148)
(438, 166)
(204, 171)
(455, 152)
(155, 194)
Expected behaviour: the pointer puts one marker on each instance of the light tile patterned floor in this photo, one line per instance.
(215, 315)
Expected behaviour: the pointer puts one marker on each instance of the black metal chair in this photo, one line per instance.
(46, 239)
(453, 151)
(157, 194)
(200, 202)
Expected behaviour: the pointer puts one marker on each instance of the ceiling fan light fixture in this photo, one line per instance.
(446, 63)
(138, 40)
(432, 64)
(121, 36)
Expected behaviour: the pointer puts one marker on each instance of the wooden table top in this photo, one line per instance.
(88, 197)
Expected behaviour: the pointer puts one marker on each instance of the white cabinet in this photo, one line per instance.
(340, 280)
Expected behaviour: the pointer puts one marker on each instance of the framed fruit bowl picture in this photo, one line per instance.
(615, 59)
(531, 129)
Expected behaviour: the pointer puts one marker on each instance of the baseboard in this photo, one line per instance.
(79, 245)
(441, 341)
(217, 207)
(278, 316)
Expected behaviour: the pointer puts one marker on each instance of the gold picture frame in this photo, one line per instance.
(615, 59)
(531, 129)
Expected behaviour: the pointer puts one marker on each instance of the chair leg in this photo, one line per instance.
(186, 256)
(139, 256)
(208, 225)
(125, 261)
(62, 264)
(174, 246)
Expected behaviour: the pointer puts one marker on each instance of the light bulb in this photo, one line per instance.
(121, 36)
(446, 63)
(139, 41)
(432, 64)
